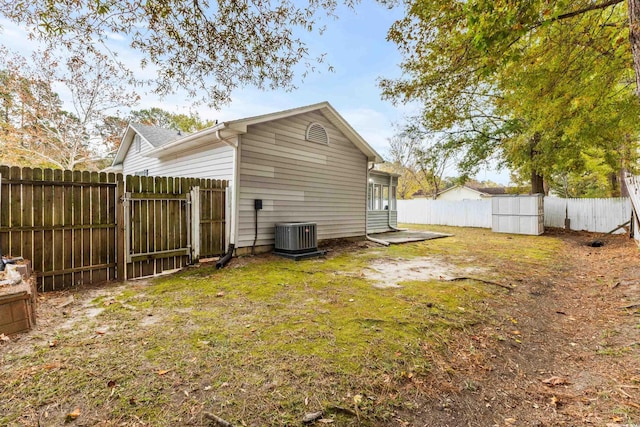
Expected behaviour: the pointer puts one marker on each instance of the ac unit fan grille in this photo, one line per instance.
(296, 237)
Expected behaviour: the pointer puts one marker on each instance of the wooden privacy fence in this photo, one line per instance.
(89, 227)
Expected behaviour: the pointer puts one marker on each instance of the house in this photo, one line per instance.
(306, 164)
(464, 192)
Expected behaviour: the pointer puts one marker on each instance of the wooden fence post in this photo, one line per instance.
(195, 224)
(120, 244)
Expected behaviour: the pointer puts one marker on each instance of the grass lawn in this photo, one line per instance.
(265, 340)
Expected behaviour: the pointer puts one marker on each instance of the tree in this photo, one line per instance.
(420, 159)
(206, 48)
(38, 130)
(533, 84)
(158, 117)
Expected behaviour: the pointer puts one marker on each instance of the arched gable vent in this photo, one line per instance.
(317, 133)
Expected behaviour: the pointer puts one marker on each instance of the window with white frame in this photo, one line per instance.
(381, 197)
(393, 198)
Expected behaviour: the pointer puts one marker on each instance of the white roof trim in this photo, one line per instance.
(226, 131)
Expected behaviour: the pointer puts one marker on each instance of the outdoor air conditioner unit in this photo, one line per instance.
(297, 239)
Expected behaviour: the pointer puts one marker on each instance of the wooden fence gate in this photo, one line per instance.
(89, 227)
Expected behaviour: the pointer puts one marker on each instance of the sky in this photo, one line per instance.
(355, 46)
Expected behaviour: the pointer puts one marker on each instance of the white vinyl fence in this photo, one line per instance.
(462, 213)
(599, 215)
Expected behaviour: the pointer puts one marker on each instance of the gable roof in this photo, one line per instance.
(483, 191)
(455, 187)
(225, 130)
(154, 135)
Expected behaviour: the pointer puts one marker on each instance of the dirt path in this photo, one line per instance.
(563, 353)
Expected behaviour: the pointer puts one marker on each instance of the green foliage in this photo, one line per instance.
(537, 85)
(158, 117)
(38, 130)
(206, 48)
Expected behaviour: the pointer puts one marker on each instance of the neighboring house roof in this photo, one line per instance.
(224, 130)
(494, 191)
(421, 193)
(475, 190)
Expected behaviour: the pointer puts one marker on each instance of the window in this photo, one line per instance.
(317, 133)
(377, 193)
(136, 143)
(393, 199)
(385, 197)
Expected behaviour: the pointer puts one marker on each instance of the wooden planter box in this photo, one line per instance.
(18, 306)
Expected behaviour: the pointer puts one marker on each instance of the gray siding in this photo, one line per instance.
(300, 180)
(378, 221)
(211, 160)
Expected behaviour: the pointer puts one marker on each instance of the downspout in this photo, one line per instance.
(366, 211)
(234, 200)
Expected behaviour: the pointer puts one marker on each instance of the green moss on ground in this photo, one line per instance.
(265, 342)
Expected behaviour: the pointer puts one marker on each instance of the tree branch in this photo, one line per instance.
(578, 12)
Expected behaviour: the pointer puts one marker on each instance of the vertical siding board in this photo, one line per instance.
(27, 214)
(86, 257)
(68, 278)
(15, 214)
(47, 214)
(38, 223)
(120, 230)
(5, 200)
(57, 209)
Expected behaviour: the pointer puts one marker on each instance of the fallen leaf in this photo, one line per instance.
(164, 371)
(554, 381)
(357, 399)
(515, 332)
(220, 294)
(72, 415)
(4, 338)
(554, 401)
(326, 420)
(111, 384)
(311, 417)
(53, 343)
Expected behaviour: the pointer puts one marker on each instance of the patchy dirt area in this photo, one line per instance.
(560, 348)
(390, 273)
